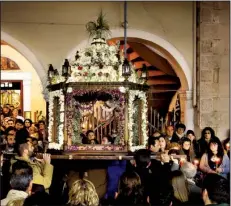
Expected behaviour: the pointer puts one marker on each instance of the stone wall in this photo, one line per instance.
(213, 26)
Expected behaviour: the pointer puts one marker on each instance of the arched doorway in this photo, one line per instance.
(20, 78)
(170, 75)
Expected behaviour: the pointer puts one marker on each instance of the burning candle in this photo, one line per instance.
(182, 161)
(196, 162)
(217, 161)
(228, 146)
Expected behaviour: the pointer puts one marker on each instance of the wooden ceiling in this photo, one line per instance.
(161, 76)
(162, 79)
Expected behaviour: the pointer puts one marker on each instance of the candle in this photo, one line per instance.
(228, 146)
(217, 161)
(195, 162)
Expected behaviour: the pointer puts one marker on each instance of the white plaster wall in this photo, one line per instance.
(51, 29)
(33, 97)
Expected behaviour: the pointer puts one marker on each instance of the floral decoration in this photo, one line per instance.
(52, 95)
(72, 106)
(141, 95)
(100, 63)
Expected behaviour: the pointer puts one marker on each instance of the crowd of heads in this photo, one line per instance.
(15, 130)
(185, 170)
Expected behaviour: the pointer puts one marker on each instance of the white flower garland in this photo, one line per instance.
(86, 68)
(54, 145)
(141, 95)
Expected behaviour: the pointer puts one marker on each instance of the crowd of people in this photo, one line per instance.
(16, 130)
(189, 171)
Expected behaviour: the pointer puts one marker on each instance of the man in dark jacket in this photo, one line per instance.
(215, 190)
(179, 133)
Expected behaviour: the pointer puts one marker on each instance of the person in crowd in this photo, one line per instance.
(37, 147)
(194, 143)
(33, 132)
(174, 161)
(91, 138)
(153, 144)
(93, 141)
(21, 134)
(215, 190)
(215, 161)
(11, 107)
(10, 123)
(4, 180)
(114, 170)
(42, 170)
(226, 145)
(174, 146)
(207, 135)
(163, 197)
(106, 140)
(21, 183)
(95, 175)
(27, 124)
(142, 163)
(19, 124)
(38, 197)
(42, 131)
(156, 134)
(5, 123)
(11, 131)
(180, 188)
(130, 190)
(187, 149)
(83, 192)
(179, 133)
(189, 170)
(6, 111)
(15, 115)
(10, 143)
(164, 144)
(169, 133)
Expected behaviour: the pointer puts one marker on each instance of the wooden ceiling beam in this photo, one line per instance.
(152, 58)
(139, 64)
(159, 82)
(132, 56)
(152, 73)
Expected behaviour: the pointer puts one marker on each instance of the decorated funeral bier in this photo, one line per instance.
(98, 91)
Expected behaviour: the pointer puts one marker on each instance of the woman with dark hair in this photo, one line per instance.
(187, 149)
(164, 144)
(226, 145)
(215, 161)
(207, 135)
(90, 138)
(130, 191)
(191, 135)
(27, 124)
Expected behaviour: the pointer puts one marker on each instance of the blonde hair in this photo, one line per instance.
(174, 145)
(180, 186)
(16, 202)
(83, 193)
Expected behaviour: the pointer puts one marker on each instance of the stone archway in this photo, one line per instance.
(173, 56)
(180, 64)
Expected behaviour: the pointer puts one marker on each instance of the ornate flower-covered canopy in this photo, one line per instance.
(100, 62)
